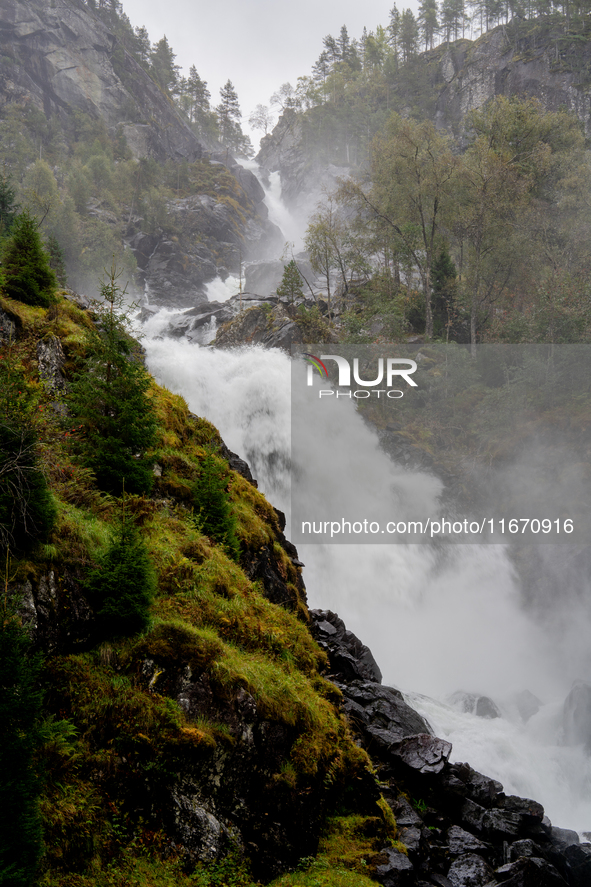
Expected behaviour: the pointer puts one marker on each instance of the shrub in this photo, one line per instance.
(109, 401)
(20, 708)
(29, 278)
(212, 504)
(123, 585)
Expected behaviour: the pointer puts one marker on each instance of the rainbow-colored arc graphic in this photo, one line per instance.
(316, 362)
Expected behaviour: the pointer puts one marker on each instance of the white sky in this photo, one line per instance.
(257, 44)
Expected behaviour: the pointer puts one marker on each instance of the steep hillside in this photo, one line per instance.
(168, 716)
(535, 58)
(211, 732)
(62, 59)
(102, 157)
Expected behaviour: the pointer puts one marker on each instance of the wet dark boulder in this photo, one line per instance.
(269, 325)
(527, 704)
(459, 827)
(460, 842)
(469, 870)
(394, 869)
(191, 322)
(529, 872)
(472, 703)
(349, 658)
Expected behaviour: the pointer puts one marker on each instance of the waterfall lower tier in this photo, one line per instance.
(436, 622)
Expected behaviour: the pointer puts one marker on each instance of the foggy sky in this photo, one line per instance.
(257, 44)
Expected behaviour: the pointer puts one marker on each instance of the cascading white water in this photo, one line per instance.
(219, 290)
(243, 392)
(292, 226)
(435, 623)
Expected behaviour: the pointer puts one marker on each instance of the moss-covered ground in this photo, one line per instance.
(108, 729)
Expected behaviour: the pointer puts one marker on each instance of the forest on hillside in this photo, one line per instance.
(490, 244)
(488, 240)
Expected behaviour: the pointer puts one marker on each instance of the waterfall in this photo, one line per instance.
(219, 290)
(436, 621)
(293, 226)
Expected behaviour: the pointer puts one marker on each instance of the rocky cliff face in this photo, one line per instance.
(62, 59)
(204, 236)
(465, 831)
(303, 174)
(538, 60)
(508, 62)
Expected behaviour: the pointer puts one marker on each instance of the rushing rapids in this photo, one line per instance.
(438, 620)
(436, 623)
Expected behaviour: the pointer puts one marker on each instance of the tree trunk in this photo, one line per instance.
(428, 307)
(473, 328)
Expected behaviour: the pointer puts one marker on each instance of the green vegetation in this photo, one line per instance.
(165, 598)
(108, 399)
(20, 714)
(291, 286)
(212, 505)
(356, 82)
(28, 277)
(152, 569)
(123, 585)
(347, 854)
(483, 232)
(27, 508)
(87, 193)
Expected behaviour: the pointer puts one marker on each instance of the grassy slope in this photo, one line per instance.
(108, 731)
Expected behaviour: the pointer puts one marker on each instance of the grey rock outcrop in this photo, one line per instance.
(302, 175)
(461, 830)
(212, 237)
(271, 326)
(63, 58)
(7, 328)
(51, 360)
(55, 611)
(509, 61)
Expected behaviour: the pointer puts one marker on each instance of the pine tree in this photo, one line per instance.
(109, 402)
(344, 44)
(29, 278)
(394, 34)
(428, 23)
(20, 711)
(409, 34)
(199, 96)
(211, 504)
(290, 287)
(142, 46)
(163, 68)
(8, 205)
(27, 509)
(229, 114)
(332, 49)
(321, 68)
(453, 18)
(123, 585)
